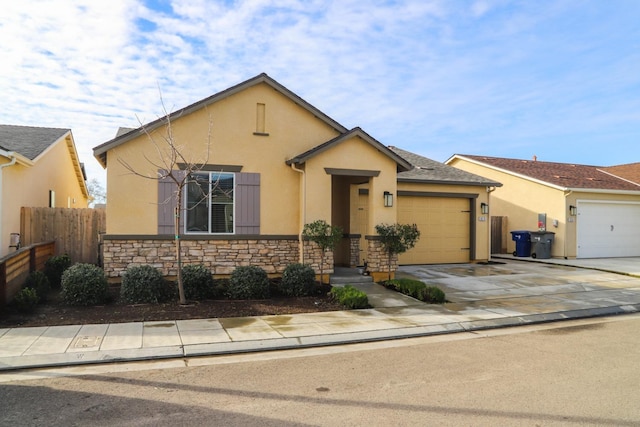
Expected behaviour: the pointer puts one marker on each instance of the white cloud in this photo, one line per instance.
(436, 77)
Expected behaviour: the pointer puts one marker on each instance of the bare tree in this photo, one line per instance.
(173, 162)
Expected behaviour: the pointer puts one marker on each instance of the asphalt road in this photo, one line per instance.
(567, 373)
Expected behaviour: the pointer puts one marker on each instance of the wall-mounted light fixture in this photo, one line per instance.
(484, 208)
(388, 199)
(573, 211)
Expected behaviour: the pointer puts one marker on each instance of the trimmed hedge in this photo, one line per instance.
(248, 282)
(143, 284)
(198, 282)
(417, 289)
(298, 280)
(350, 297)
(84, 284)
(26, 300)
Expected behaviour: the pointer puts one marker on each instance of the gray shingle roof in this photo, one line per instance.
(427, 170)
(28, 141)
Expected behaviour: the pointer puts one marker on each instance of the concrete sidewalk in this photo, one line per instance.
(509, 293)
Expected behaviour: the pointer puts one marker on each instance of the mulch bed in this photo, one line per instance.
(54, 312)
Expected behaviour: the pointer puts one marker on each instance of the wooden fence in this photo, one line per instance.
(76, 231)
(499, 235)
(15, 268)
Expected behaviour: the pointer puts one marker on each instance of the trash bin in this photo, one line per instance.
(541, 242)
(523, 242)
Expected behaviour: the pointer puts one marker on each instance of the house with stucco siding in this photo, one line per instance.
(270, 163)
(39, 167)
(593, 211)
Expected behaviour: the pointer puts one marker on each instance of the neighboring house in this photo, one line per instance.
(593, 211)
(275, 164)
(39, 167)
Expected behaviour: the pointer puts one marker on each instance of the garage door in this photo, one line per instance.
(444, 229)
(608, 229)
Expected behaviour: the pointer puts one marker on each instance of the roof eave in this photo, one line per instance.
(440, 181)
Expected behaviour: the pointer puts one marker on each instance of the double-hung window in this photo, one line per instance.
(210, 203)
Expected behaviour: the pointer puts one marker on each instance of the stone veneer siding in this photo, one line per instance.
(378, 260)
(220, 255)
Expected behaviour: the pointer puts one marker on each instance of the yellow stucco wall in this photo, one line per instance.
(291, 131)
(29, 186)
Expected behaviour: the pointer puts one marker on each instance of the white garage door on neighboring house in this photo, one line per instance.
(444, 224)
(608, 229)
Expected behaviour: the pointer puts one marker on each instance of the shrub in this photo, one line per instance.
(143, 284)
(350, 297)
(298, 280)
(417, 290)
(198, 282)
(84, 284)
(434, 295)
(26, 300)
(39, 282)
(55, 267)
(248, 282)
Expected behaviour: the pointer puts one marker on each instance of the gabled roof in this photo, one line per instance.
(302, 158)
(630, 171)
(29, 141)
(100, 152)
(427, 170)
(565, 176)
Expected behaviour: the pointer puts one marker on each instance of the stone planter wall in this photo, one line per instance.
(221, 256)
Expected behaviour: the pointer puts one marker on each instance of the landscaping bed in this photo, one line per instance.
(54, 312)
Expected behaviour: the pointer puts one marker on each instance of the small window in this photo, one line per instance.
(52, 199)
(210, 203)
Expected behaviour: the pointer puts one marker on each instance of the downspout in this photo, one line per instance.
(566, 226)
(490, 190)
(10, 155)
(303, 208)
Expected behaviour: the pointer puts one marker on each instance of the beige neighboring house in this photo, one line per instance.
(39, 167)
(276, 163)
(594, 211)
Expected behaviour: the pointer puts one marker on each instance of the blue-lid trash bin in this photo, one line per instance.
(523, 242)
(541, 244)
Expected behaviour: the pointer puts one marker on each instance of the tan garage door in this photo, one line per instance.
(444, 229)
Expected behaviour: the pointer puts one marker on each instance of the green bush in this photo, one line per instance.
(143, 284)
(298, 280)
(55, 267)
(248, 282)
(39, 282)
(350, 297)
(84, 284)
(198, 282)
(434, 295)
(417, 290)
(26, 300)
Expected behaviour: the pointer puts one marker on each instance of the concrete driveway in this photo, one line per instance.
(516, 287)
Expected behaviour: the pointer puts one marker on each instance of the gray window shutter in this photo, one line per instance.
(167, 204)
(247, 199)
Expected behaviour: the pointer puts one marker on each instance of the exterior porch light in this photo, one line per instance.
(484, 208)
(388, 199)
(573, 211)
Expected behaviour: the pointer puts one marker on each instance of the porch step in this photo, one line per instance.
(345, 276)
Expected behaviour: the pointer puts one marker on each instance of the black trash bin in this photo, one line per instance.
(541, 242)
(523, 242)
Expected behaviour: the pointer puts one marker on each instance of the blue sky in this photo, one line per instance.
(556, 79)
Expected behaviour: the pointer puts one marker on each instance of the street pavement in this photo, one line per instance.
(507, 291)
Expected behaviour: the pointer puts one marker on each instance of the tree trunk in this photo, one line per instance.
(183, 300)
